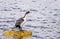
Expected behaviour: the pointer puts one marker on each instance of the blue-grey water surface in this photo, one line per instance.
(43, 20)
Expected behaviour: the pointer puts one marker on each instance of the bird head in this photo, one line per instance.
(27, 12)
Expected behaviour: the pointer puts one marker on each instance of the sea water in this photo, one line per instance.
(43, 20)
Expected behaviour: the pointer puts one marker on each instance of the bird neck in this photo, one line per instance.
(24, 16)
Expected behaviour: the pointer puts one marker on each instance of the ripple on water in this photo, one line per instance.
(37, 36)
(33, 10)
(56, 14)
(58, 32)
(58, 38)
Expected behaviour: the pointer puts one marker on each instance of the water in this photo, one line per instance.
(43, 21)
